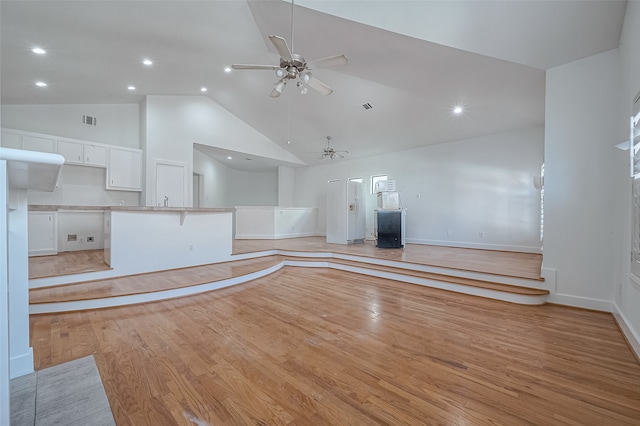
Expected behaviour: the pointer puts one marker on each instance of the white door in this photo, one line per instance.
(170, 183)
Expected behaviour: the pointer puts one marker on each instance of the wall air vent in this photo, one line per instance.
(89, 120)
(367, 106)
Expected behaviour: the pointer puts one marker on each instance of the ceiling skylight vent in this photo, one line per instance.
(367, 106)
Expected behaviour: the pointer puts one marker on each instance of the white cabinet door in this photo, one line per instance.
(73, 152)
(43, 233)
(124, 171)
(35, 143)
(95, 155)
(11, 139)
(170, 184)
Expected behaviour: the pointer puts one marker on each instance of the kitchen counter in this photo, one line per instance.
(169, 209)
(48, 208)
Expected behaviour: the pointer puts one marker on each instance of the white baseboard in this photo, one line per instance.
(21, 365)
(581, 302)
(43, 252)
(631, 335)
(464, 244)
(274, 236)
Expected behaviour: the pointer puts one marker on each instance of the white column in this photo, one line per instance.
(20, 353)
(5, 396)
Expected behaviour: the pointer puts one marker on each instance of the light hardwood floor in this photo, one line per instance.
(522, 265)
(318, 346)
(67, 263)
(515, 264)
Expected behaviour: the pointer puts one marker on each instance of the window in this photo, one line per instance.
(375, 179)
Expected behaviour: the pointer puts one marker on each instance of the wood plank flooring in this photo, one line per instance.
(151, 281)
(521, 265)
(515, 264)
(313, 346)
(67, 263)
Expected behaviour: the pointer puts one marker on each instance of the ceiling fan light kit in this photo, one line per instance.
(293, 66)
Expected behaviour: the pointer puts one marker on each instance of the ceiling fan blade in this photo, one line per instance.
(319, 86)
(281, 46)
(254, 67)
(328, 62)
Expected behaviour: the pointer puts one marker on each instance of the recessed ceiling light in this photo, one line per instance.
(227, 69)
(41, 84)
(288, 142)
(229, 158)
(203, 89)
(147, 62)
(131, 88)
(457, 110)
(38, 51)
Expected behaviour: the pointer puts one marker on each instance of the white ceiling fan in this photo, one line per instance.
(331, 153)
(294, 67)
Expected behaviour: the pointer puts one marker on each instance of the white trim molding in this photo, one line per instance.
(484, 246)
(627, 330)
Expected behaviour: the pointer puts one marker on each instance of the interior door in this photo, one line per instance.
(170, 183)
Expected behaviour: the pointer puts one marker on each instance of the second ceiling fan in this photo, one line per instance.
(293, 67)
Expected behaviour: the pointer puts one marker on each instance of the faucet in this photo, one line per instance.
(166, 201)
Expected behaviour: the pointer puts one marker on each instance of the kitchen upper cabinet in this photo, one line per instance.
(73, 152)
(43, 235)
(11, 139)
(37, 143)
(95, 155)
(86, 154)
(123, 165)
(124, 170)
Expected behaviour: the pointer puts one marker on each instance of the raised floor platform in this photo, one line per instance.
(507, 276)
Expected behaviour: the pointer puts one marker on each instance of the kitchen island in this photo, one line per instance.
(144, 239)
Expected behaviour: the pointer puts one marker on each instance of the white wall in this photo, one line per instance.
(83, 186)
(580, 168)
(286, 186)
(117, 123)
(214, 180)
(175, 123)
(477, 185)
(252, 188)
(84, 224)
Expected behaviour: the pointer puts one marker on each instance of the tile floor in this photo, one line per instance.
(66, 394)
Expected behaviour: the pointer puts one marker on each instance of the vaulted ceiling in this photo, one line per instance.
(411, 61)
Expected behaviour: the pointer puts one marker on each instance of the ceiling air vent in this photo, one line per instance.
(367, 106)
(89, 120)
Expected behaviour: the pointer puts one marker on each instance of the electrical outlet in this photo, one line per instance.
(72, 237)
(481, 234)
(190, 247)
(90, 239)
(81, 240)
(449, 232)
